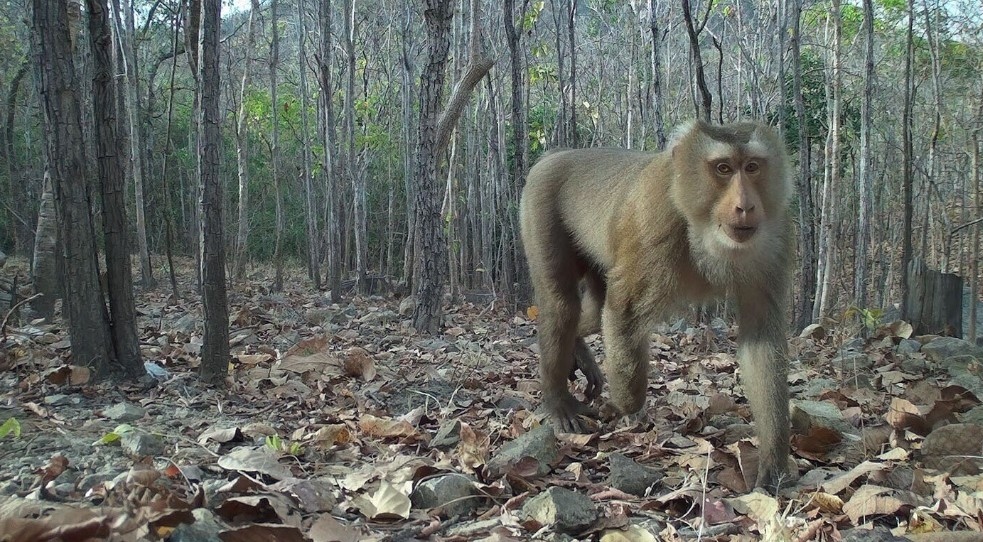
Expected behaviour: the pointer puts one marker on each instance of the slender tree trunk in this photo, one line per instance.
(933, 167)
(704, 107)
(122, 309)
(657, 98)
(45, 264)
(430, 250)
(807, 239)
(865, 174)
(313, 234)
(165, 166)
(827, 248)
(21, 219)
(907, 158)
(127, 44)
(215, 342)
(356, 180)
(275, 149)
(58, 87)
(409, 147)
(242, 148)
(514, 269)
(333, 199)
(571, 34)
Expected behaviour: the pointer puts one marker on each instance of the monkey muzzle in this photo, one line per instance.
(740, 232)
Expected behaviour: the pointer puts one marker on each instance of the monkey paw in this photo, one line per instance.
(566, 413)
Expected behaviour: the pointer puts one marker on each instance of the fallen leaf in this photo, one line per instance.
(328, 529)
(870, 500)
(388, 503)
(359, 364)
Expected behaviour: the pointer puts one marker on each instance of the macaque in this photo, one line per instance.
(618, 239)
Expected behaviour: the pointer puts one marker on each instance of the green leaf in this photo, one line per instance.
(10, 426)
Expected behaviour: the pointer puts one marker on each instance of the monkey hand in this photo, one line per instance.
(592, 371)
(565, 412)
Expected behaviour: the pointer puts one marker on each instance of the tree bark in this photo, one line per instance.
(21, 220)
(242, 149)
(865, 174)
(127, 44)
(122, 310)
(46, 265)
(215, 342)
(807, 233)
(657, 98)
(355, 178)
(313, 235)
(907, 156)
(430, 263)
(704, 107)
(58, 87)
(332, 202)
(275, 151)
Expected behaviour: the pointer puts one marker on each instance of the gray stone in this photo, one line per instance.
(737, 432)
(139, 444)
(539, 444)
(877, 534)
(206, 528)
(954, 449)
(124, 412)
(855, 344)
(378, 318)
(454, 494)
(407, 305)
(973, 415)
(628, 476)
(808, 414)
(92, 480)
(915, 366)
(448, 435)
(908, 346)
(853, 361)
(946, 348)
(566, 511)
(817, 386)
(58, 399)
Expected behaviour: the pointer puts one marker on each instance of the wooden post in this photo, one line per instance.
(934, 300)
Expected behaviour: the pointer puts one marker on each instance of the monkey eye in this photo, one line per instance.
(723, 168)
(752, 167)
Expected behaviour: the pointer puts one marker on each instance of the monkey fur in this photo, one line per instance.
(618, 239)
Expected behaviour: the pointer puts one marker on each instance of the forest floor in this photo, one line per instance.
(340, 424)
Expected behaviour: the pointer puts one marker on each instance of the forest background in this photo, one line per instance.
(323, 161)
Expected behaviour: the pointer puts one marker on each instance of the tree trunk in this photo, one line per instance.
(356, 180)
(827, 246)
(215, 342)
(513, 268)
(409, 147)
(865, 174)
(907, 157)
(313, 256)
(122, 310)
(807, 234)
(242, 149)
(430, 265)
(58, 87)
(704, 107)
(275, 151)
(332, 202)
(127, 44)
(21, 220)
(657, 99)
(46, 265)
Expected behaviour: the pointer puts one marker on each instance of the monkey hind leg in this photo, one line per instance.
(558, 343)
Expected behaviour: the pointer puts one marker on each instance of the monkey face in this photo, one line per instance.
(730, 182)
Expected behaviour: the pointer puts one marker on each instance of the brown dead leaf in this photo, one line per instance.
(835, 485)
(328, 529)
(331, 435)
(903, 415)
(68, 375)
(817, 443)
(56, 465)
(759, 507)
(253, 359)
(359, 364)
(387, 503)
(385, 427)
(870, 500)
(262, 532)
(532, 312)
(830, 504)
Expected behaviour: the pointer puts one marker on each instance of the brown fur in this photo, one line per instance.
(618, 239)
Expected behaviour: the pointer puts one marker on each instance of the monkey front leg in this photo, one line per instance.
(763, 360)
(626, 351)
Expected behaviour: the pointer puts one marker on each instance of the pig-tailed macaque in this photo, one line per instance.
(618, 239)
